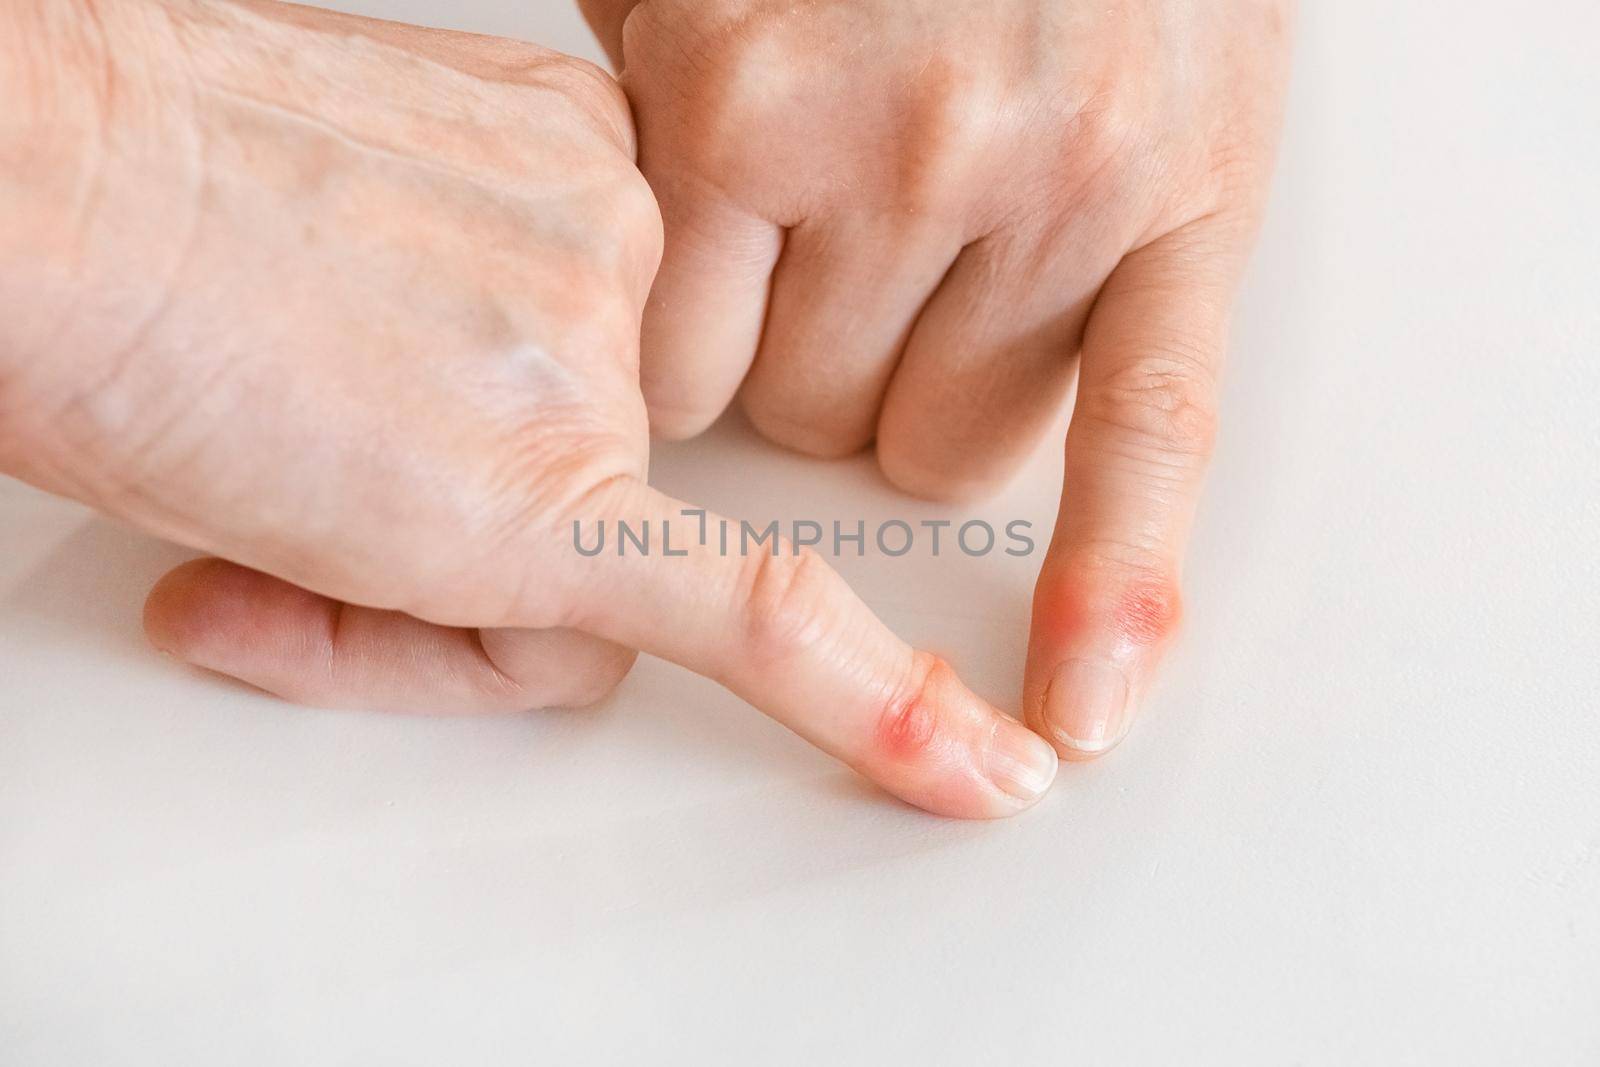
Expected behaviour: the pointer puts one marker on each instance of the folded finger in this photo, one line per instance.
(315, 651)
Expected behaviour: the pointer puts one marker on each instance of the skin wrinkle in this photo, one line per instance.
(594, 502)
(336, 619)
(504, 683)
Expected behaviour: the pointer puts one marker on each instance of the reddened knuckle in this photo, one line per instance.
(1148, 609)
(1115, 588)
(907, 727)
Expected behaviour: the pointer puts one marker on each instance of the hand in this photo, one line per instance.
(906, 219)
(356, 307)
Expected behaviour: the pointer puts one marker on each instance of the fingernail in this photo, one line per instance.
(1021, 762)
(1086, 706)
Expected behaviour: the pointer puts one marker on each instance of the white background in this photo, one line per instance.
(1360, 822)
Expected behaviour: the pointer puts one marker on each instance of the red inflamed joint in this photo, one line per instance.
(1148, 612)
(908, 722)
(1145, 611)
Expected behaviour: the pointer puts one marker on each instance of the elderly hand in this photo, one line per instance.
(356, 307)
(907, 220)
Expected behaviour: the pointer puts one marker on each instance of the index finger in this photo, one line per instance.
(780, 628)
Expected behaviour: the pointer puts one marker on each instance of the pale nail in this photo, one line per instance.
(1086, 706)
(1020, 762)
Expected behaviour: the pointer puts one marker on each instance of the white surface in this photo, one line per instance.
(1359, 824)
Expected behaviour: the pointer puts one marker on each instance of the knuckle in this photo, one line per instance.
(949, 131)
(613, 231)
(1129, 591)
(552, 611)
(593, 338)
(1148, 609)
(639, 220)
(1092, 119)
(906, 726)
(595, 91)
(718, 54)
(1166, 406)
(784, 600)
(624, 224)
(594, 296)
(1101, 128)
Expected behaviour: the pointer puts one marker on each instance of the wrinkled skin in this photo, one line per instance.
(915, 222)
(355, 307)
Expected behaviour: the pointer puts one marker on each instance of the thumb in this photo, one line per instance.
(1107, 600)
(781, 629)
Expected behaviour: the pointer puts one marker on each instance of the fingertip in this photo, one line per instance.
(201, 609)
(1020, 762)
(1098, 634)
(950, 752)
(162, 618)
